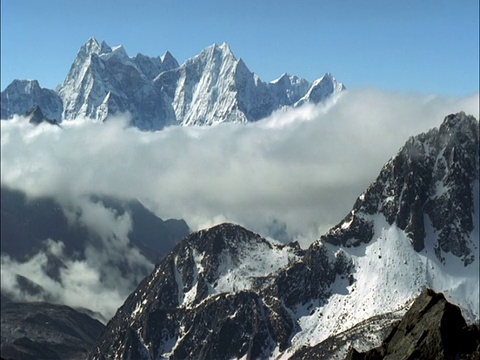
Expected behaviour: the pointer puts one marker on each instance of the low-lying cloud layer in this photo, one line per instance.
(100, 279)
(299, 170)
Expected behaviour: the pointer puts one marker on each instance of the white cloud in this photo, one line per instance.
(303, 167)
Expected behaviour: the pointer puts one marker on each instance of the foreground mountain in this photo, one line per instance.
(210, 88)
(42, 331)
(227, 293)
(431, 329)
(199, 302)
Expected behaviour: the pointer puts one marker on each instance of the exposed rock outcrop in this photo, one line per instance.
(432, 329)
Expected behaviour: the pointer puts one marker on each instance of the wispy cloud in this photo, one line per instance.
(100, 278)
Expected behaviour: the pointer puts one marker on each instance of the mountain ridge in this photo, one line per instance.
(209, 88)
(44, 331)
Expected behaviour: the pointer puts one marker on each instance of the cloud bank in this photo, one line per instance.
(291, 176)
(303, 167)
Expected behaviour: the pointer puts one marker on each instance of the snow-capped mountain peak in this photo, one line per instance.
(210, 88)
(119, 51)
(213, 53)
(90, 47)
(105, 48)
(22, 95)
(419, 186)
(321, 89)
(168, 60)
(283, 78)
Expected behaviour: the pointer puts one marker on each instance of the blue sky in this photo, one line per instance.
(407, 46)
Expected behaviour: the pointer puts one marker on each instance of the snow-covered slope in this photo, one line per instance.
(210, 88)
(227, 293)
(105, 80)
(208, 277)
(416, 226)
(22, 95)
(321, 89)
(388, 275)
(394, 245)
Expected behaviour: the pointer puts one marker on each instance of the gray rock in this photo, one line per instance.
(432, 329)
(22, 95)
(45, 331)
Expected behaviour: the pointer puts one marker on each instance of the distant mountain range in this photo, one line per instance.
(210, 88)
(227, 293)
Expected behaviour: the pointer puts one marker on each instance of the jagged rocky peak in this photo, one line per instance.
(431, 329)
(91, 46)
(222, 50)
(105, 48)
(284, 78)
(287, 80)
(218, 285)
(103, 80)
(321, 89)
(226, 258)
(212, 277)
(430, 183)
(210, 88)
(27, 86)
(36, 116)
(289, 89)
(224, 236)
(214, 60)
(22, 95)
(168, 57)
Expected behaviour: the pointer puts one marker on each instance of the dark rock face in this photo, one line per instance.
(432, 329)
(338, 345)
(433, 174)
(311, 277)
(36, 116)
(25, 225)
(225, 326)
(159, 309)
(359, 230)
(45, 331)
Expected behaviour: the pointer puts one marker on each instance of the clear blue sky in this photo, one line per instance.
(427, 46)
